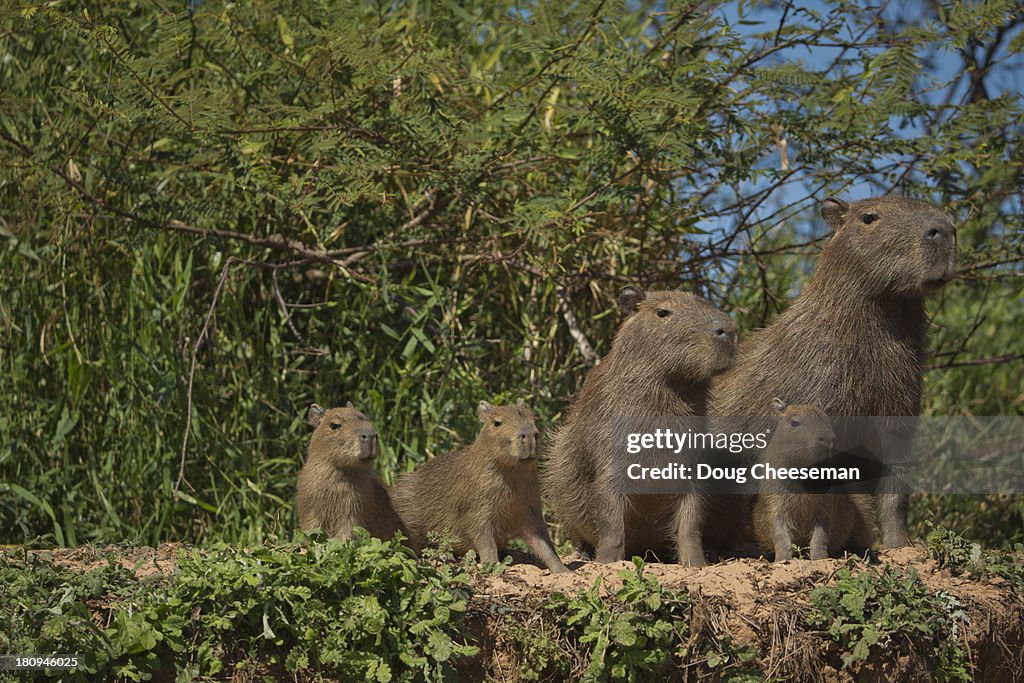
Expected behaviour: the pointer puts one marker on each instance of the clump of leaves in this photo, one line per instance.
(540, 650)
(871, 611)
(362, 610)
(952, 551)
(632, 635)
(47, 608)
(732, 661)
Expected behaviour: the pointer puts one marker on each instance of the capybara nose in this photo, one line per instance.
(939, 230)
(369, 438)
(529, 439)
(724, 331)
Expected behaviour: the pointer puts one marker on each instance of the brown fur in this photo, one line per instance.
(659, 365)
(483, 495)
(338, 487)
(827, 522)
(853, 342)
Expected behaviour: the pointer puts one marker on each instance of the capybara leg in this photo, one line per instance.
(485, 546)
(689, 521)
(892, 514)
(819, 538)
(540, 543)
(782, 540)
(611, 538)
(611, 546)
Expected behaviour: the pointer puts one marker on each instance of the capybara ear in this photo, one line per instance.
(316, 413)
(349, 405)
(778, 405)
(482, 409)
(630, 298)
(834, 210)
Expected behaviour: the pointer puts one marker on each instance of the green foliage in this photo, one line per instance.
(632, 636)
(212, 215)
(640, 631)
(360, 610)
(871, 612)
(951, 550)
(363, 610)
(48, 608)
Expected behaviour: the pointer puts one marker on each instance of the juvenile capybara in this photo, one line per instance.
(338, 487)
(662, 359)
(853, 341)
(784, 513)
(484, 494)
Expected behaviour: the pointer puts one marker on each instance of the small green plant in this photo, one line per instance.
(539, 648)
(960, 556)
(953, 551)
(871, 611)
(731, 661)
(631, 636)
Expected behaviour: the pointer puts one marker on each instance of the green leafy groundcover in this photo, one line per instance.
(870, 611)
(370, 610)
(366, 610)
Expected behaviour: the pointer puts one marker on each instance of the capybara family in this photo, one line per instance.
(851, 344)
(483, 495)
(662, 359)
(785, 514)
(853, 341)
(338, 487)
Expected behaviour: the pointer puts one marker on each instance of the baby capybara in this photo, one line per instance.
(784, 514)
(662, 359)
(853, 341)
(338, 487)
(482, 495)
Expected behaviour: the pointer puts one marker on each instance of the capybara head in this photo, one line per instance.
(508, 432)
(803, 433)
(675, 334)
(890, 244)
(344, 436)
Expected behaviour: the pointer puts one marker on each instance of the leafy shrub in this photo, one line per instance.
(359, 610)
(631, 636)
(364, 609)
(953, 551)
(49, 609)
(871, 611)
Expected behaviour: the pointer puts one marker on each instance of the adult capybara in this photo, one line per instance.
(338, 487)
(784, 513)
(853, 341)
(483, 495)
(662, 359)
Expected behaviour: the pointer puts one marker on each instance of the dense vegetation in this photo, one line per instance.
(212, 216)
(368, 610)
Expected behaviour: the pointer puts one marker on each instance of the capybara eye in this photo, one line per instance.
(663, 312)
(335, 425)
(497, 423)
(869, 218)
(794, 423)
